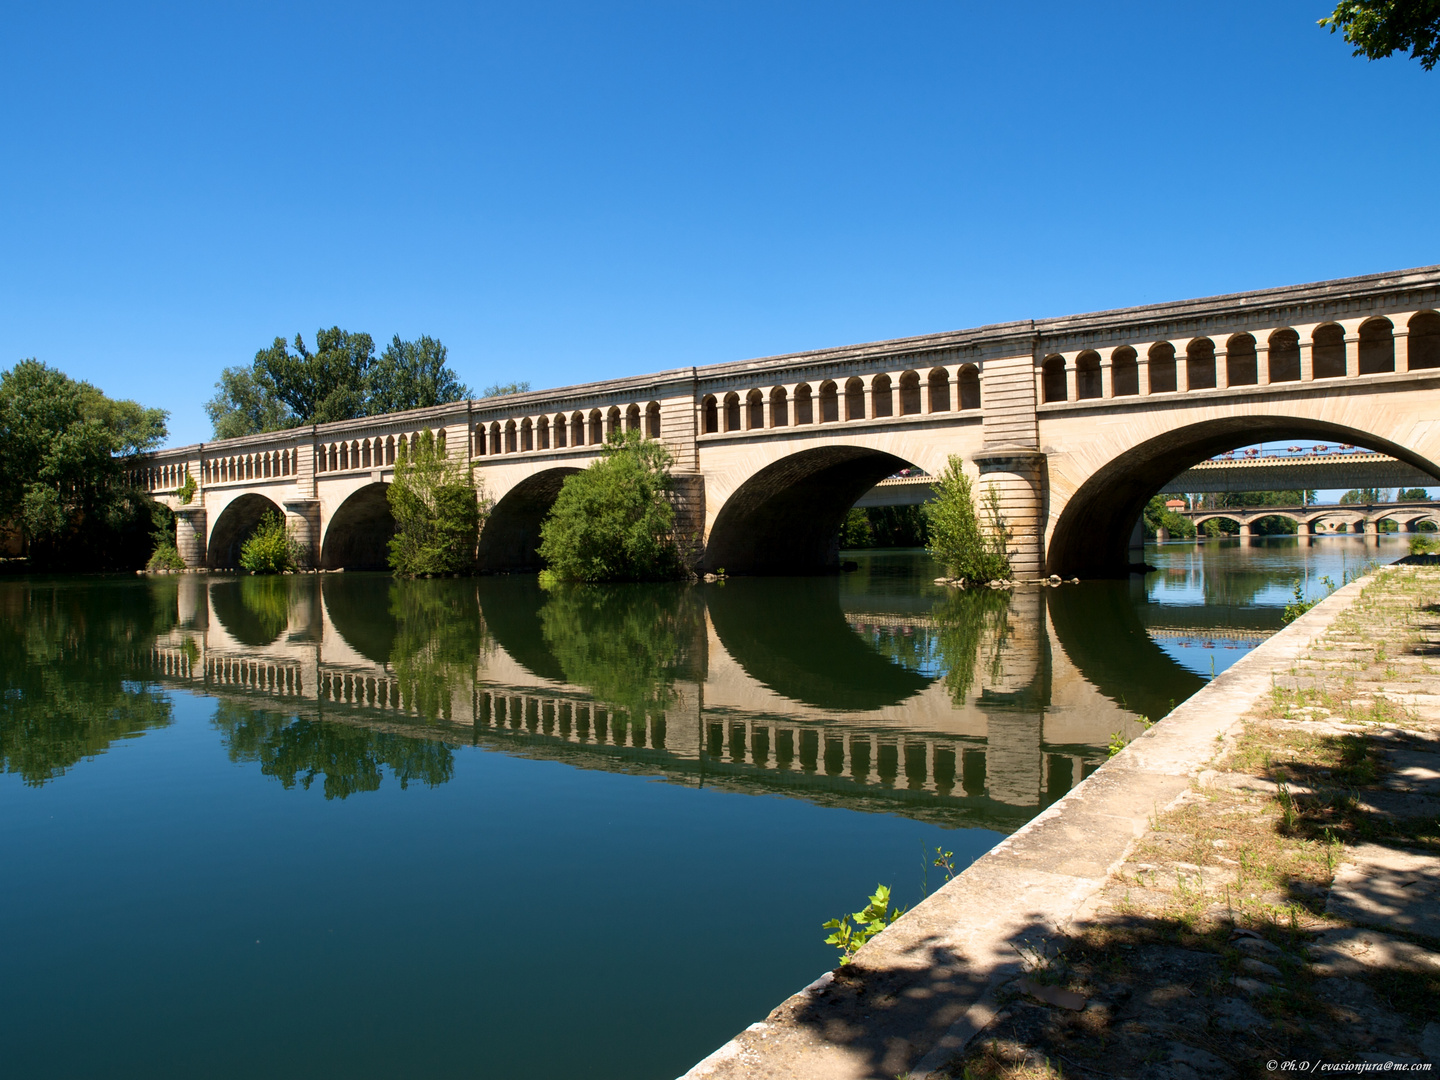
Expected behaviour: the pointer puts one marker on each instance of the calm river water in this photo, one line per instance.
(343, 825)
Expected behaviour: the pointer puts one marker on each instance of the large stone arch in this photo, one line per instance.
(1090, 534)
(510, 537)
(786, 518)
(357, 536)
(233, 527)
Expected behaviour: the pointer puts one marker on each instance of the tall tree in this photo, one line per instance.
(505, 389)
(64, 450)
(319, 387)
(412, 375)
(243, 405)
(1381, 28)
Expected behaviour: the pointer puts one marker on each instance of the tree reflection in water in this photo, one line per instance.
(625, 643)
(972, 627)
(439, 638)
(297, 750)
(68, 657)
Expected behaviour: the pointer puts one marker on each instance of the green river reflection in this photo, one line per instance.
(472, 827)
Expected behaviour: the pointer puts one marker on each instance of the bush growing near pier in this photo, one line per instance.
(957, 541)
(437, 512)
(165, 557)
(270, 549)
(614, 521)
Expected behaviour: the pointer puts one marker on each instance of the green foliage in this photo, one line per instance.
(868, 922)
(68, 684)
(504, 389)
(165, 557)
(1412, 495)
(186, 491)
(347, 759)
(614, 521)
(1156, 514)
(64, 451)
(967, 622)
(1381, 28)
(884, 527)
(439, 638)
(1366, 496)
(437, 512)
(412, 375)
(342, 379)
(626, 645)
(270, 549)
(1424, 545)
(956, 539)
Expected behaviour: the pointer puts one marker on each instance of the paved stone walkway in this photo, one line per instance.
(1287, 908)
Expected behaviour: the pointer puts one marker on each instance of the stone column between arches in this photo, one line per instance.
(302, 518)
(1018, 476)
(190, 535)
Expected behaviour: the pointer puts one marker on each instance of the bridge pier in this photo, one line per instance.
(1302, 528)
(190, 535)
(302, 518)
(1244, 529)
(1372, 528)
(1018, 476)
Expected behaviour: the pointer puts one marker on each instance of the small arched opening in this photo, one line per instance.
(652, 420)
(909, 393)
(1124, 372)
(1087, 375)
(779, 408)
(1162, 368)
(577, 429)
(597, 428)
(1424, 340)
(612, 420)
(754, 410)
(732, 411)
(710, 410)
(804, 405)
(559, 428)
(358, 534)
(1377, 347)
(527, 435)
(1200, 364)
(1052, 380)
(854, 399)
(510, 537)
(1328, 351)
(939, 385)
(1284, 356)
(967, 384)
(632, 418)
(1241, 368)
(829, 403)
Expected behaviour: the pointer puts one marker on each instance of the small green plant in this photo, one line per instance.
(867, 923)
(186, 491)
(165, 557)
(1297, 607)
(1118, 742)
(270, 549)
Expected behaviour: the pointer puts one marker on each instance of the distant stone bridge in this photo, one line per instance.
(1077, 421)
(1342, 517)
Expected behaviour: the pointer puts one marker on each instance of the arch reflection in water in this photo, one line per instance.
(933, 703)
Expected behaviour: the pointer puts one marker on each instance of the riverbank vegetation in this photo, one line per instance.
(65, 450)
(614, 521)
(885, 527)
(437, 511)
(967, 550)
(270, 549)
(287, 385)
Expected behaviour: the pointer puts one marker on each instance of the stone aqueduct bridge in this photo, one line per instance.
(1077, 421)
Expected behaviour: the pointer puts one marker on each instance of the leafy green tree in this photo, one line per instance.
(614, 521)
(504, 389)
(856, 533)
(957, 541)
(1365, 496)
(1381, 28)
(270, 549)
(1157, 515)
(287, 385)
(412, 375)
(437, 512)
(439, 639)
(64, 451)
(1412, 495)
(244, 405)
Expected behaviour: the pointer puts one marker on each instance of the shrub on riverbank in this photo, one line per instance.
(270, 549)
(958, 542)
(437, 512)
(614, 521)
(166, 556)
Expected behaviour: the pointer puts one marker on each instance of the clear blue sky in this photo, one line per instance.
(569, 191)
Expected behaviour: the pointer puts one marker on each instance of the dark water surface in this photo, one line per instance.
(350, 826)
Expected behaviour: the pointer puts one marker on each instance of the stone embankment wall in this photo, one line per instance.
(1041, 956)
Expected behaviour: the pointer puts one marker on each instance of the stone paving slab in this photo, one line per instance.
(1391, 887)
